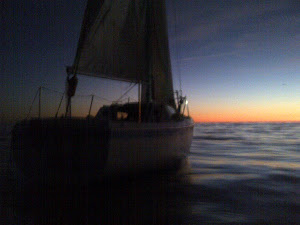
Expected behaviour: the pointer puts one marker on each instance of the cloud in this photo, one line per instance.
(240, 30)
(219, 18)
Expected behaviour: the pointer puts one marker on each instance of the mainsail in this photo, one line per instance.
(127, 40)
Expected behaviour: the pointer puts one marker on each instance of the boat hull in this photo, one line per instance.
(60, 148)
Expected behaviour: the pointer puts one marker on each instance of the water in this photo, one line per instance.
(236, 174)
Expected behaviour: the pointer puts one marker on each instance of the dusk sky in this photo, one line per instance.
(239, 61)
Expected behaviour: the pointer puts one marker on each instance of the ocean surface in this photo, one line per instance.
(237, 173)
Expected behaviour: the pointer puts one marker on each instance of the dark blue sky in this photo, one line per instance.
(238, 60)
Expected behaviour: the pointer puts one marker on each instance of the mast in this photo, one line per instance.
(71, 89)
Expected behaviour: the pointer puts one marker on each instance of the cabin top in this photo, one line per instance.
(130, 112)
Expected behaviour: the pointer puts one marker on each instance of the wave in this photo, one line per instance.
(289, 178)
(217, 138)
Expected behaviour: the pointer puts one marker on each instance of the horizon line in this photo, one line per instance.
(267, 121)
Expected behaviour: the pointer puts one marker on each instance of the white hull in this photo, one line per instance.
(60, 147)
(151, 146)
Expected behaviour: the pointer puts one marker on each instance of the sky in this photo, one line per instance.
(236, 61)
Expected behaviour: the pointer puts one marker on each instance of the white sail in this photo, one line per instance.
(162, 90)
(126, 40)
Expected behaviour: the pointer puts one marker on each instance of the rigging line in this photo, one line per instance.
(121, 100)
(85, 96)
(49, 89)
(126, 92)
(134, 99)
(33, 102)
(102, 98)
(122, 87)
(81, 96)
(59, 105)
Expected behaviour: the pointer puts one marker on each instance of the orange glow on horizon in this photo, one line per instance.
(211, 119)
(263, 113)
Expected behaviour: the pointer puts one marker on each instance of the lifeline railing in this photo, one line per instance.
(39, 95)
(182, 103)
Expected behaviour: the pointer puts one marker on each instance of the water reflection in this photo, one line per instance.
(151, 199)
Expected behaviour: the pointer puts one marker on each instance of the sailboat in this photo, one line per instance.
(123, 40)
